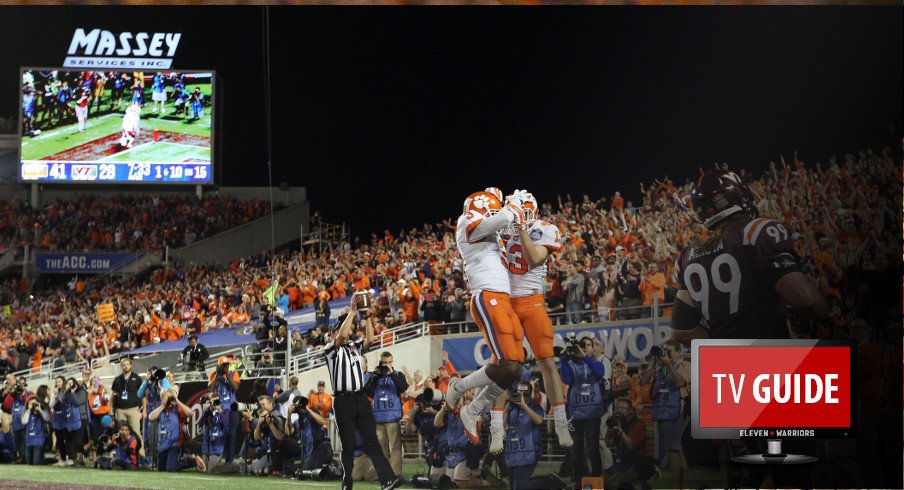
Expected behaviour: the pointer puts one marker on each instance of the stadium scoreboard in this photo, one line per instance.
(152, 127)
(188, 173)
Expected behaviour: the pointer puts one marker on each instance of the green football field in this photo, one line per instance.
(160, 151)
(190, 479)
(104, 123)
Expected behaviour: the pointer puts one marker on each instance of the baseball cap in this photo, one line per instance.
(105, 420)
(321, 383)
(619, 248)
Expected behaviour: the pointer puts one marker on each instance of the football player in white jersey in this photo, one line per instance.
(476, 235)
(526, 249)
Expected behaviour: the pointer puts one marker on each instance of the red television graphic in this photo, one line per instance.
(773, 389)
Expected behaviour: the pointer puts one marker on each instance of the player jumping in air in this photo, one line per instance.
(476, 236)
(526, 249)
(130, 126)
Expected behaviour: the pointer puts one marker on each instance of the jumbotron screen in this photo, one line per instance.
(116, 126)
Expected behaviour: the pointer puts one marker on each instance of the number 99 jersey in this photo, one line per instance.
(733, 279)
(526, 281)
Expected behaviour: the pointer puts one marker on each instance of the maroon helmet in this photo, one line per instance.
(720, 194)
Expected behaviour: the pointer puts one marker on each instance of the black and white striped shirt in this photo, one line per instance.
(346, 365)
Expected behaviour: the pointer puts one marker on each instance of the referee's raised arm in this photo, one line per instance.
(345, 329)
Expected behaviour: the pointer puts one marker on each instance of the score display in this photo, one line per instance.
(190, 173)
(116, 127)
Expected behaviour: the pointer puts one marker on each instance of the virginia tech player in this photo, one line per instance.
(526, 250)
(735, 284)
(483, 216)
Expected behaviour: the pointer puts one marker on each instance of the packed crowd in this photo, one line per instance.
(615, 254)
(123, 222)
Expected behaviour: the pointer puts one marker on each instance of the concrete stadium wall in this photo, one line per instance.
(249, 239)
(424, 354)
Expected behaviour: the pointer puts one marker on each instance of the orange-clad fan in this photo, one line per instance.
(320, 400)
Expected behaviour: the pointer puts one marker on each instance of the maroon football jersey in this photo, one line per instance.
(733, 280)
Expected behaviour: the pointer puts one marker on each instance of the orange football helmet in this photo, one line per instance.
(483, 202)
(529, 208)
(495, 191)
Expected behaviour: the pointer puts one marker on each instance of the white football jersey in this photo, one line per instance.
(526, 280)
(485, 268)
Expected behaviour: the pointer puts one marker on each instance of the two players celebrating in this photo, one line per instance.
(504, 247)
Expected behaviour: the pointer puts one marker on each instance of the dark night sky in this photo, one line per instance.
(391, 116)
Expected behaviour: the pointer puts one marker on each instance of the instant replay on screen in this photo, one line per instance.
(116, 127)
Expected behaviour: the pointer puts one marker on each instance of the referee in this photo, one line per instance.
(344, 360)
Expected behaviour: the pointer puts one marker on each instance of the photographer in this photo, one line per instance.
(58, 420)
(169, 416)
(14, 404)
(149, 393)
(627, 439)
(308, 436)
(385, 387)
(76, 399)
(269, 432)
(670, 375)
(421, 418)
(457, 450)
(212, 427)
(583, 375)
(225, 384)
(33, 419)
(522, 419)
(127, 447)
(194, 355)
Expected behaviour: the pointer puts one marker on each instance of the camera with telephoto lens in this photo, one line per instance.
(381, 370)
(615, 420)
(300, 403)
(442, 482)
(157, 375)
(517, 392)
(430, 397)
(222, 369)
(572, 349)
(656, 351)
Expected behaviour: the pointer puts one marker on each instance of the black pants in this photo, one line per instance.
(354, 412)
(586, 433)
(19, 441)
(62, 443)
(521, 478)
(76, 441)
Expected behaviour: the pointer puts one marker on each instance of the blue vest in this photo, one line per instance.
(303, 433)
(435, 439)
(35, 433)
(213, 440)
(455, 435)
(359, 441)
(167, 429)
(387, 406)
(666, 397)
(522, 439)
(122, 450)
(585, 397)
(225, 391)
(18, 408)
(73, 414)
(153, 394)
(58, 417)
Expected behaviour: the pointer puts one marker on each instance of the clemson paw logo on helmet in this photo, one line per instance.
(481, 202)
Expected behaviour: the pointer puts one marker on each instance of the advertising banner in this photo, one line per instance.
(631, 339)
(82, 262)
